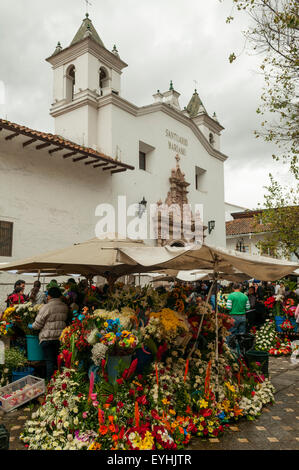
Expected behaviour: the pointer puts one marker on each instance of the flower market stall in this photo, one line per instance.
(143, 369)
(100, 399)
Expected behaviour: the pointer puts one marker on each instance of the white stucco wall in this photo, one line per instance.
(51, 201)
(153, 184)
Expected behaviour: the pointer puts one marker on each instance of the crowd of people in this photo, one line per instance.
(245, 304)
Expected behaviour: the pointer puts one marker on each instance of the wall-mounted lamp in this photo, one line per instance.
(142, 207)
(211, 225)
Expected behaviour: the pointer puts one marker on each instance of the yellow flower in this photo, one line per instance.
(203, 403)
(230, 387)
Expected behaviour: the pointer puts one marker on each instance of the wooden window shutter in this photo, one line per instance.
(6, 230)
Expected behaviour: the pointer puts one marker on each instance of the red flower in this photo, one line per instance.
(120, 381)
(207, 413)
(64, 386)
(65, 403)
(155, 414)
(120, 404)
(131, 392)
(110, 399)
(132, 368)
(142, 400)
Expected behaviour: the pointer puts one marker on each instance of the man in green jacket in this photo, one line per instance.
(238, 304)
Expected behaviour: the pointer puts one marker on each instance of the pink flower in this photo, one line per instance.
(84, 414)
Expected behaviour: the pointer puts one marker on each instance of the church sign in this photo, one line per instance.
(176, 143)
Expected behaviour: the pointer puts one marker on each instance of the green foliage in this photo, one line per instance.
(281, 218)
(273, 32)
(14, 359)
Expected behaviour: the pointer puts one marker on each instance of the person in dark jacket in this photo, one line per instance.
(251, 314)
(51, 321)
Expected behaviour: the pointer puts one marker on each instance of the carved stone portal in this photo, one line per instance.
(170, 217)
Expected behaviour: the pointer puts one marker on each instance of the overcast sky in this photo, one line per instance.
(160, 40)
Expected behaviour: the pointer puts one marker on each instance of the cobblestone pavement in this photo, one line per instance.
(276, 429)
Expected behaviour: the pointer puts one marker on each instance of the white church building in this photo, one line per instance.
(102, 147)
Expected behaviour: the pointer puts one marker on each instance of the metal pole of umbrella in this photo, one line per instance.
(217, 338)
(202, 319)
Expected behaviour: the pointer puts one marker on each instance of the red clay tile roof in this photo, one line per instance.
(59, 142)
(244, 226)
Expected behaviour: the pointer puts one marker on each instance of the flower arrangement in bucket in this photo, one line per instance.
(15, 360)
(25, 315)
(287, 326)
(118, 342)
(275, 304)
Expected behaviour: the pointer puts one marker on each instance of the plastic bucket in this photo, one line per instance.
(295, 325)
(262, 357)
(20, 374)
(144, 359)
(34, 349)
(278, 322)
(113, 364)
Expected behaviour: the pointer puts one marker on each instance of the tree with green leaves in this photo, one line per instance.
(281, 218)
(274, 33)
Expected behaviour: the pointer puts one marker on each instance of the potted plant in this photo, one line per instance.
(265, 339)
(25, 315)
(15, 366)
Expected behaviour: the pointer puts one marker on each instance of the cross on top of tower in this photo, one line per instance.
(88, 4)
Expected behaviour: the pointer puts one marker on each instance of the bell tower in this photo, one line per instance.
(83, 73)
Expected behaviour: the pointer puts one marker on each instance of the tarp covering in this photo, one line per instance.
(115, 258)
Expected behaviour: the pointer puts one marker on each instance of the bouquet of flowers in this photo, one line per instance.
(265, 337)
(275, 304)
(287, 325)
(6, 328)
(289, 308)
(166, 325)
(281, 348)
(9, 312)
(118, 342)
(222, 301)
(25, 315)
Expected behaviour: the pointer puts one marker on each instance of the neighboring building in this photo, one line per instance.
(230, 209)
(103, 147)
(243, 233)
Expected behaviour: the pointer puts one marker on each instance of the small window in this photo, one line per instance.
(240, 246)
(6, 229)
(211, 139)
(200, 179)
(70, 83)
(103, 79)
(142, 161)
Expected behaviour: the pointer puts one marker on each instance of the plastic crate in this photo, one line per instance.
(23, 390)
